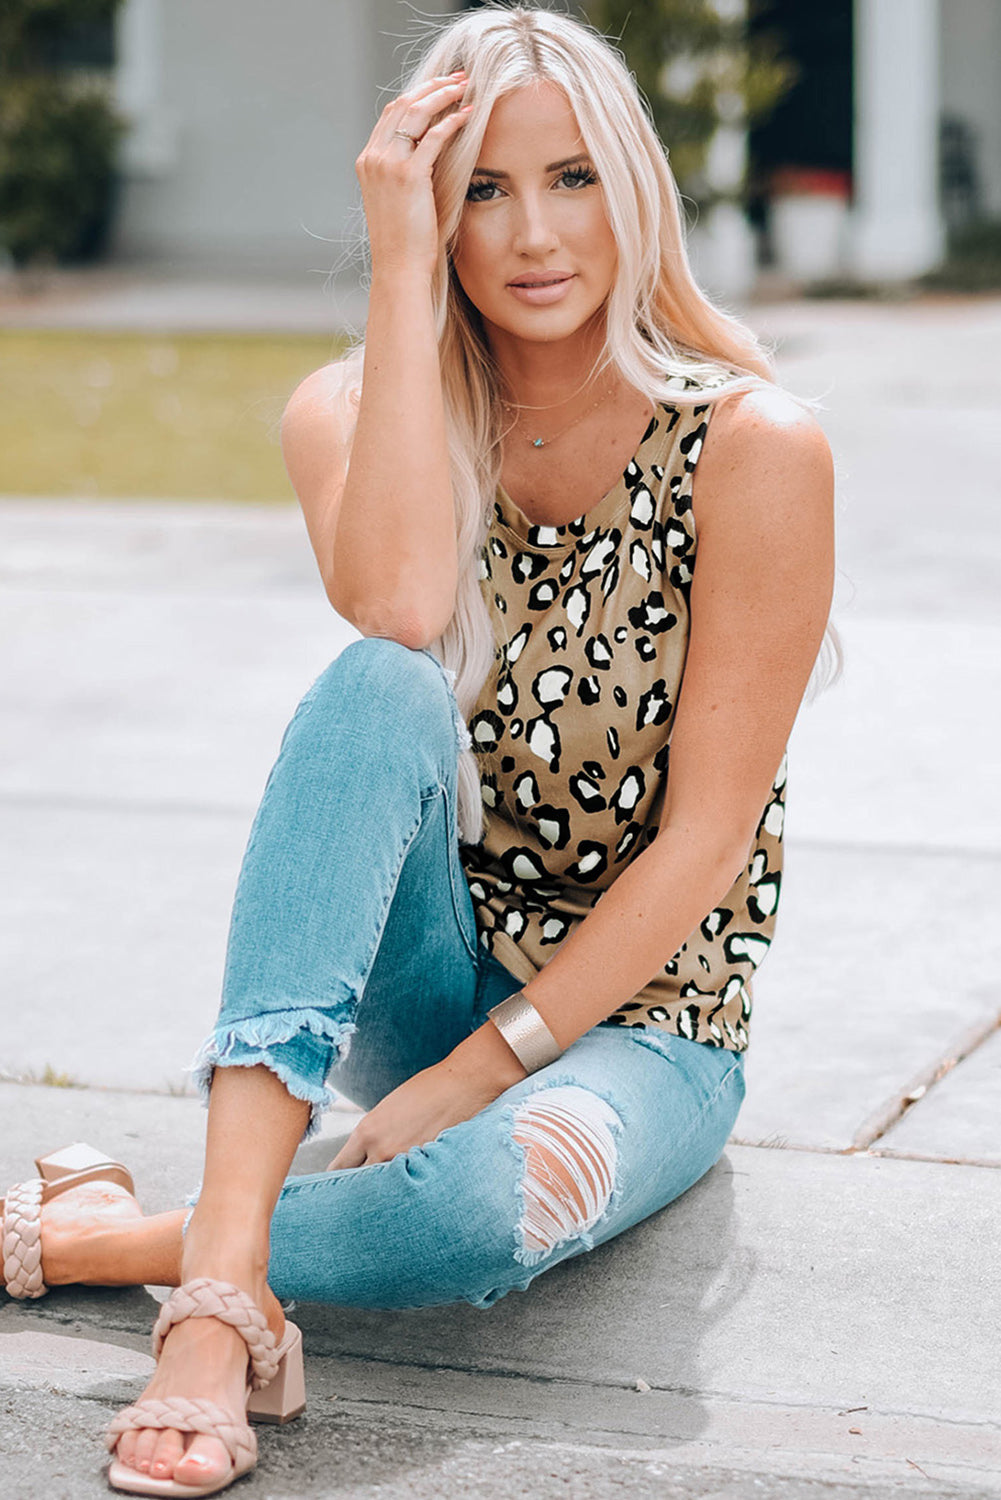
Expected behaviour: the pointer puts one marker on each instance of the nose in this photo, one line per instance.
(534, 234)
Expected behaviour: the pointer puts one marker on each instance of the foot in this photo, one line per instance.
(77, 1228)
(201, 1357)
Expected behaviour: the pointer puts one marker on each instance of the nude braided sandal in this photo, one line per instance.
(275, 1388)
(22, 1210)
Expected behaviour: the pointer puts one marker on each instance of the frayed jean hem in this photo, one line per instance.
(298, 1046)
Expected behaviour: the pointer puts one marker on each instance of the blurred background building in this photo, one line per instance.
(243, 119)
(890, 137)
(246, 120)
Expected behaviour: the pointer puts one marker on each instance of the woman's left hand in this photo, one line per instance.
(472, 1076)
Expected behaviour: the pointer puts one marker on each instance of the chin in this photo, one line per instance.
(544, 325)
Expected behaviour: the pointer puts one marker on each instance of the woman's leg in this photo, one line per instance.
(351, 898)
(353, 941)
(618, 1127)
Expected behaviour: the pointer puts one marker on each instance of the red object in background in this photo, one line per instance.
(817, 182)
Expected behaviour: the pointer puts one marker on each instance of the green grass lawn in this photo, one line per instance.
(107, 415)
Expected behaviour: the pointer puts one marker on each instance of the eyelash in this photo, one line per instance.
(585, 176)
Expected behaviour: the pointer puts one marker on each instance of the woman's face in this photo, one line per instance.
(535, 252)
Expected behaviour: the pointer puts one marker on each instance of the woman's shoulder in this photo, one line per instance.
(320, 413)
(317, 426)
(762, 421)
(765, 456)
(330, 389)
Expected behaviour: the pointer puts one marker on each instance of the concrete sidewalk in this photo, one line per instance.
(818, 1316)
(119, 298)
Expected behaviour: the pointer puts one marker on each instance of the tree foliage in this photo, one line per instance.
(700, 68)
(59, 131)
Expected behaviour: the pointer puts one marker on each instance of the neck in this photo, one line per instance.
(547, 374)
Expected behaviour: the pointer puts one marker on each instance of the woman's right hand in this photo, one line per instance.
(395, 175)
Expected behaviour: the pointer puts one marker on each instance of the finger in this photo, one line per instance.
(430, 86)
(414, 103)
(416, 115)
(351, 1154)
(433, 139)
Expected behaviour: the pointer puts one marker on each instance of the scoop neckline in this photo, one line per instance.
(550, 539)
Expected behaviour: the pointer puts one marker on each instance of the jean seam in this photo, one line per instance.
(387, 903)
(459, 727)
(452, 861)
(722, 1083)
(711, 1103)
(481, 978)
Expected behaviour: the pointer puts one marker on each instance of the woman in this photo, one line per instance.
(506, 491)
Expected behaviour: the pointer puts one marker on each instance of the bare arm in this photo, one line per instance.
(763, 502)
(382, 521)
(395, 565)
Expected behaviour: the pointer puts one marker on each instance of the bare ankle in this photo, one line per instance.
(237, 1255)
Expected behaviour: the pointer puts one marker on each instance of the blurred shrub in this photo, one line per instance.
(700, 69)
(973, 259)
(59, 130)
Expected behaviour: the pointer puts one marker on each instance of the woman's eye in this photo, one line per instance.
(579, 176)
(477, 192)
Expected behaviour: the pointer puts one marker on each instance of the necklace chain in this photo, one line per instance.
(538, 442)
(550, 405)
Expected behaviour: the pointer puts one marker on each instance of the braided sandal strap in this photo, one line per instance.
(206, 1298)
(181, 1414)
(22, 1240)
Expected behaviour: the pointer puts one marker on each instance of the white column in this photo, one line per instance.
(150, 148)
(897, 229)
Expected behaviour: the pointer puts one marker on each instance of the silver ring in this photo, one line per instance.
(413, 139)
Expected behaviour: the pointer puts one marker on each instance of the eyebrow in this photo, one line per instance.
(554, 166)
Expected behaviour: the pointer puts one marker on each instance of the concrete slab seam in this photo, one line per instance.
(893, 1109)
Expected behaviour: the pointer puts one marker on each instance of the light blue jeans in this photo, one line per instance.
(354, 962)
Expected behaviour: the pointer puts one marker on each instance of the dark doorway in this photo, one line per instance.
(812, 126)
(811, 129)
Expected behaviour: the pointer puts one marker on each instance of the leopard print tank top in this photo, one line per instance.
(572, 733)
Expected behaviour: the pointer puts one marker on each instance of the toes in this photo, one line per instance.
(162, 1455)
(146, 1442)
(168, 1451)
(206, 1459)
(125, 1448)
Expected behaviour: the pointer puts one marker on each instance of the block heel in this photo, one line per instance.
(284, 1397)
(84, 1164)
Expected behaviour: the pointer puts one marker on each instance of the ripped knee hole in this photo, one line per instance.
(570, 1156)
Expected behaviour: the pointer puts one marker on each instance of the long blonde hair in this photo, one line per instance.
(662, 333)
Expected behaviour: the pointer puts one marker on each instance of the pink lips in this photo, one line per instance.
(541, 287)
(538, 278)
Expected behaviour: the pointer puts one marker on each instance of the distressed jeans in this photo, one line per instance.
(354, 962)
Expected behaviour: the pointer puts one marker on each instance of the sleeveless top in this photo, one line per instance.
(572, 734)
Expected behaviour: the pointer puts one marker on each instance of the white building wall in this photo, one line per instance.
(248, 116)
(971, 83)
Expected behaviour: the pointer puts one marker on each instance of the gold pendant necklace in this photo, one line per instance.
(538, 442)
